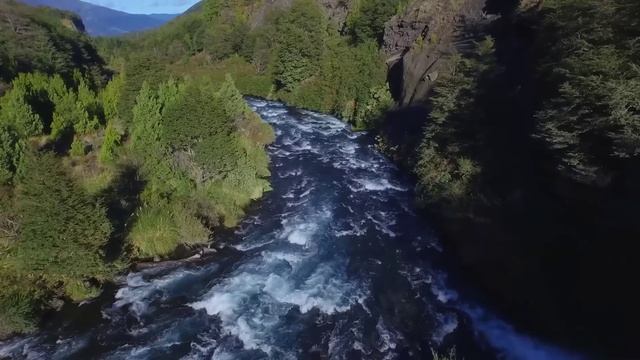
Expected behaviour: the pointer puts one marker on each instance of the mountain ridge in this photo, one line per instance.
(103, 21)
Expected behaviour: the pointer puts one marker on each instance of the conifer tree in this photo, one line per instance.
(63, 231)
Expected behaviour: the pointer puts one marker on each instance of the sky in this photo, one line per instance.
(146, 6)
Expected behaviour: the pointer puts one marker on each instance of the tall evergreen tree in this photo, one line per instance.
(63, 231)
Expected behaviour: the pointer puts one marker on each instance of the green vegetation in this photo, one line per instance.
(593, 118)
(45, 40)
(299, 44)
(62, 230)
(93, 174)
(201, 155)
(454, 136)
(100, 167)
(532, 157)
(366, 21)
(293, 54)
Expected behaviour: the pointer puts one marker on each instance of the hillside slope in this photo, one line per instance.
(45, 40)
(102, 21)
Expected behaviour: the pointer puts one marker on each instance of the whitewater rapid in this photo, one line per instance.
(333, 263)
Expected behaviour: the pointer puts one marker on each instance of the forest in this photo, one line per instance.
(531, 150)
(100, 167)
(526, 148)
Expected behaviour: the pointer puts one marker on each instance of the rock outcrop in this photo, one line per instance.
(336, 10)
(417, 41)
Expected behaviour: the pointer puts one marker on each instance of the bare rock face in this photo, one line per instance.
(417, 41)
(336, 10)
(73, 22)
(259, 14)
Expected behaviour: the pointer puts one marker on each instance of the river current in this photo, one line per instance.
(334, 263)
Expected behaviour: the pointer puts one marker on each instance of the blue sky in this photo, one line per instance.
(146, 6)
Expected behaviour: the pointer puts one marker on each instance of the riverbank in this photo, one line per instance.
(335, 261)
(546, 239)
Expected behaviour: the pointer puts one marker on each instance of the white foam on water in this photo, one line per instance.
(228, 300)
(379, 184)
(383, 221)
(300, 234)
(512, 344)
(387, 339)
(291, 139)
(323, 290)
(444, 295)
(301, 229)
(204, 345)
(281, 153)
(290, 257)
(352, 163)
(417, 277)
(234, 299)
(290, 173)
(354, 229)
(447, 324)
(303, 146)
(25, 348)
(137, 291)
(342, 336)
(245, 245)
(255, 103)
(357, 345)
(304, 126)
(274, 113)
(348, 148)
(220, 354)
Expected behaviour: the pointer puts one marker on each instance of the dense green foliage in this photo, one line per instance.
(201, 154)
(45, 40)
(54, 233)
(166, 150)
(40, 105)
(294, 54)
(454, 135)
(531, 158)
(299, 44)
(63, 231)
(55, 236)
(592, 65)
(367, 20)
(94, 175)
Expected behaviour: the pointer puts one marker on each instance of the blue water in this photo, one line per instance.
(334, 263)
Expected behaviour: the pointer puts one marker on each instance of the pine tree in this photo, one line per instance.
(592, 117)
(110, 143)
(16, 112)
(63, 231)
(11, 150)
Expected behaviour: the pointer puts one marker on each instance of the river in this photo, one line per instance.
(334, 263)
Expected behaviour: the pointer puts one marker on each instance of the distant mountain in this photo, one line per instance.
(163, 17)
(102, 21)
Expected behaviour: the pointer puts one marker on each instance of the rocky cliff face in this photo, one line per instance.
(417, 41)
(336, 10)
